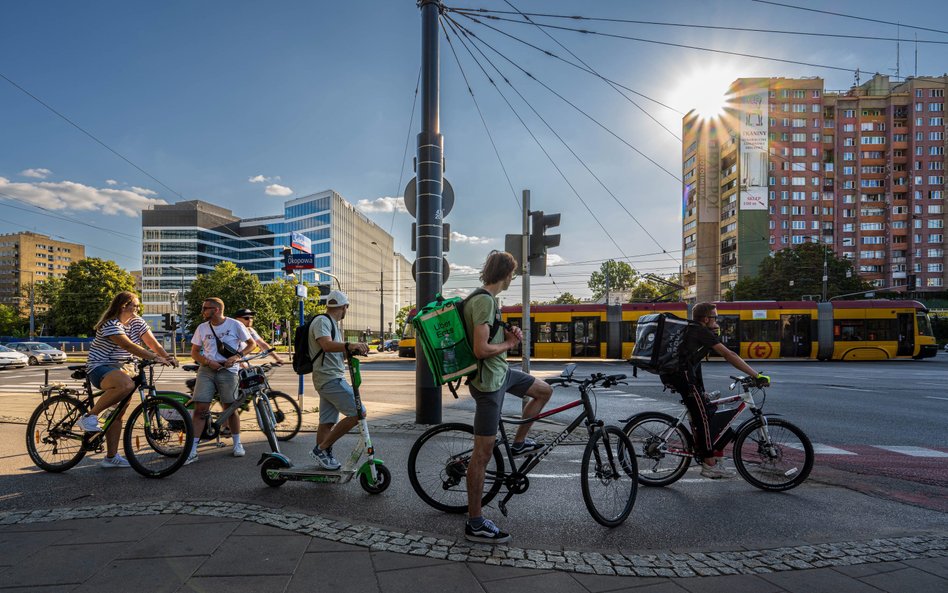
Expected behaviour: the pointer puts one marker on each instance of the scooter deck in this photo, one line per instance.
(311, 473)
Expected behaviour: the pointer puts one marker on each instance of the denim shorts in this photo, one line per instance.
(489, 404)
(209, 382)
(98, 373)
(334, 397)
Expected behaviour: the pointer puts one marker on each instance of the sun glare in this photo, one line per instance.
(705, 90)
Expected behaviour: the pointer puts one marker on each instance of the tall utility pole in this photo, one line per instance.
(525, 279)
(430, 177)
(825, 275)
(381, 294)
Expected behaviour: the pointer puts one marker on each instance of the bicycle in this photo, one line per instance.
(157, 438)
(283, 411)
(769, 453)
(438, 461)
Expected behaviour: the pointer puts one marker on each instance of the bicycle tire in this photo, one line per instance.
(52, 423)
(286, 412)
(437, 467)
(791, 455)
(610, 476)
(659, 462)
(182, 399)
(158, 420)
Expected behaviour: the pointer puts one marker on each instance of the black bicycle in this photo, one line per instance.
(157, 438)
(437, 464)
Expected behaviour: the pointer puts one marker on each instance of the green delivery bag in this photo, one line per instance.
(440, 329)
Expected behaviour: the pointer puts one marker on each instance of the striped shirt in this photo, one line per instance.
(105, 351)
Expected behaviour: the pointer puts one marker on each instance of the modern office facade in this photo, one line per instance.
(185, 239)
(27, 258)
(860, 171)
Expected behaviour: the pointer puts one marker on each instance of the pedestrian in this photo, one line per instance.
(120, 335)
(698, 342)
(217, 345)
(328, 347)
(495, 378)
(246, 316)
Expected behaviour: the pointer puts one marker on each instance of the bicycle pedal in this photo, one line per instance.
(220, 445)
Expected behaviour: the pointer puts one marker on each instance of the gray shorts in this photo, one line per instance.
(334, 397)
(209, 382)
(489, 404)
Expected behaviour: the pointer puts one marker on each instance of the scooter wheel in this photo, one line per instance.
(270, 464)
(381, 483)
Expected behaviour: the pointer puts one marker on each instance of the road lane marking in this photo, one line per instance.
(849, 388)
(822, 449)
(935, 397)
(913, 451)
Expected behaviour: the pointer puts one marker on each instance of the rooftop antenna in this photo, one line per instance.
(916, 55)
(856, 77)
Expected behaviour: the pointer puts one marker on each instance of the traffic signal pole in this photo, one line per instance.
(430, 177)
(525, 280)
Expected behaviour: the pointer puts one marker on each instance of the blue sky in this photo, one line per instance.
(304, 96)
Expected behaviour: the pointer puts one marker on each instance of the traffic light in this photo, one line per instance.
(540, 241)
(912, 282)
(286, 260)
(167, 323)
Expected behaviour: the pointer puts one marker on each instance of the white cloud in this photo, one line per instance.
(553, 259)
(111, 182)
(276, 189)
(470, 239)
(69, 195)
(142, 191)
(385, 204)
(36, 173)
(258, 179)
(460, 269)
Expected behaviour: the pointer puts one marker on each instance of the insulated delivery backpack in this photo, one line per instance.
(303, 360)
(658, 341)
(448, 349)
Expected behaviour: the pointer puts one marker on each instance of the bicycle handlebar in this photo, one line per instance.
(607, 380)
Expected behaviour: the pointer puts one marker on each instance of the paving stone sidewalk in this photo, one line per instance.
(231, 547)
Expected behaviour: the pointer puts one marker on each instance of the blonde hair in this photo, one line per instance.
(115, 307)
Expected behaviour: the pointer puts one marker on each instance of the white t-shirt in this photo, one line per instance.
(231, 332)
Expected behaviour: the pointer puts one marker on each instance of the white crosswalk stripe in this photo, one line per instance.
(913, 451)
(827, 450)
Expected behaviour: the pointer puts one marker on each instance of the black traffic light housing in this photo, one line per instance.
(167, 321)
(540, 241)
(912, 282)
(287, 251)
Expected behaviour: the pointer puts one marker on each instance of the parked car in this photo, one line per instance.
(11, 359)
(39, 352)
(388, 346)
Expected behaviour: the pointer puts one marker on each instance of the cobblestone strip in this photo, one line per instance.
(650, 565)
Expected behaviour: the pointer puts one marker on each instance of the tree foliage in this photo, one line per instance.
(621, 276)
(565, 298)
(87, 289)
(11, 324)
(803, 267)
(650, 289)
(236, 287)
(401, 318)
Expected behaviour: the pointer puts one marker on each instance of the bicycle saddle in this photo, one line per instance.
(77, 367)
(190, 367)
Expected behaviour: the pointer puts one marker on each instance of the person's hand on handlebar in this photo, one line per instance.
(360, 348)
(166, 360)
(761, 380)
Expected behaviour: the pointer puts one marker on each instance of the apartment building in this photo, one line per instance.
(27, 258)
(861, 171)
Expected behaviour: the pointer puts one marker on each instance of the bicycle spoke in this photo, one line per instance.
(776, 459)
(661, 461)
(609, 476)
(52, 440)
(157, 437)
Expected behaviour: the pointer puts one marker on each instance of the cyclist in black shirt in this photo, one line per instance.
(699, 341)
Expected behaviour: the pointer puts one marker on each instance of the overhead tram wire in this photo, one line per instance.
(565, 144)
(479, 113)
(401, 170)
(529, 131)
(487, 13)
(593, 70)
(848, 16)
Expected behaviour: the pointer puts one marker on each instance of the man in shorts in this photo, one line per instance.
(217, 345)
(495, 378)
(328, 345)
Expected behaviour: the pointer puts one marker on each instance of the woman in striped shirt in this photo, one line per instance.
(119, 335)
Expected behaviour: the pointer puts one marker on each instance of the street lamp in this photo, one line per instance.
(381, 294)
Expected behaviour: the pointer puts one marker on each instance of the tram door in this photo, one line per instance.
(585, 336)
(906, 334)
(795, 338)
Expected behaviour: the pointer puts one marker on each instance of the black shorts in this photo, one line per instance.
(489, 403)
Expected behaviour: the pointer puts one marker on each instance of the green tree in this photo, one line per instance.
(11, 324)
(236, 287)
(48, 293)
(401, 318)
(621, 276)
(565, 298)
(87, 289)
(651, 288)
(790, 273)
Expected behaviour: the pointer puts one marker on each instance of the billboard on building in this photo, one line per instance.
(754, 114)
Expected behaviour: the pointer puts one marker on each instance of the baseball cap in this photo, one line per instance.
(245, 313)
(337, 298)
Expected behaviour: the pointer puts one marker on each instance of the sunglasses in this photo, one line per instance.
(247, 317)
(206, 308)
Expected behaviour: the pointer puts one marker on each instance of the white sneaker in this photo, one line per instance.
(114, 462)
(89, 423)
(716, 471)
(239, 450)
(192, 457)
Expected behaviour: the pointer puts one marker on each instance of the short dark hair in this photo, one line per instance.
(497, 266)
(702, 310)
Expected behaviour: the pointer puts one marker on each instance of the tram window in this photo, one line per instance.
(547, 332)
(760, 330)
(882, 329)
(628, 331)
(924, 325)
(849, 330)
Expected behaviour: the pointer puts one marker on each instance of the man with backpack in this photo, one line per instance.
(327, 359)
(700, 338)
(494, 378)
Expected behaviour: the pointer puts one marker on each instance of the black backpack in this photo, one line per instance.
(658, 341)
(303, 360)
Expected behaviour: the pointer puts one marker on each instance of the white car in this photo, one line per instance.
(38, 352)
(11, 359)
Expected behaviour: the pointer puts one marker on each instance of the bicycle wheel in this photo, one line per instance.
(158, 437)
(175, 422)
(287, 414)
(609, 476)
(661, 461)
(437, 467)
(53, 440)
(776, 459)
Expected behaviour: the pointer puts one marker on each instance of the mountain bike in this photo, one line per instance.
(157, 437)
(438, 461)
(769, 453)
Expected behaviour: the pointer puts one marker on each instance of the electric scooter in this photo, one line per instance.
(374, 477)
